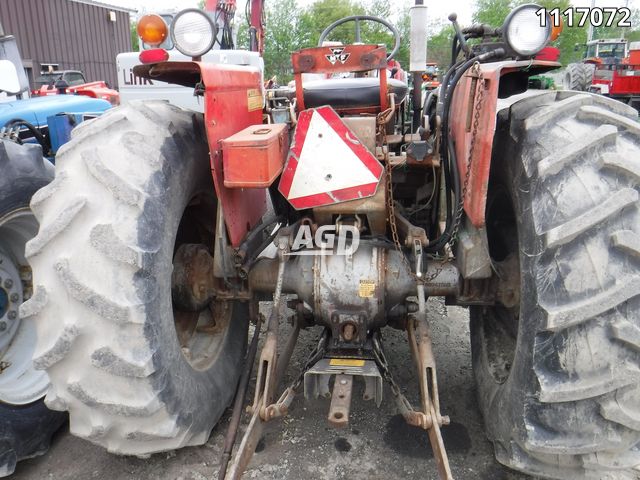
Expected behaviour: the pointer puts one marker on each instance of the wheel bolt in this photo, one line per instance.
(12, 315)
(3, 326)
(8, 283)
(14, 297)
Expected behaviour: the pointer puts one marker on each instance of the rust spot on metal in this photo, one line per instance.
(341, 401)
(192, 281)
(306, 62)
(367, 61)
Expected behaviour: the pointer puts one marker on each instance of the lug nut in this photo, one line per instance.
(8, 283)
(12, 315)
(14, 297)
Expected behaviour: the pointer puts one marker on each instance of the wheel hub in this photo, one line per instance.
(192, 282)
(20, 383)
(10, 299)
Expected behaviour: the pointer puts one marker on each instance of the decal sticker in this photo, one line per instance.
(254, 99)
(367, 288)
(337, 55)
(346, 362)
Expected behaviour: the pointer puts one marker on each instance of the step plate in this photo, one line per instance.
(316, 379)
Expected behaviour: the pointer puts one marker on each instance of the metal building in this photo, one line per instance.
(69, 35)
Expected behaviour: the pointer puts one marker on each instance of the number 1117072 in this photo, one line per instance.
(581, 16)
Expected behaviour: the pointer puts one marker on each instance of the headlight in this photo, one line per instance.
(193, 32)
(523, 32)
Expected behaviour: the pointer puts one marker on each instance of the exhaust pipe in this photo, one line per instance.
(418, 56)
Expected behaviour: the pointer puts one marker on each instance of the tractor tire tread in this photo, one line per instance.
(582, 402)
(109, 338)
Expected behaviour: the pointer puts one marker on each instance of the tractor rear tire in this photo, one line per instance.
(26, 425)
(558, 367)
(131, 187)
(578, 76)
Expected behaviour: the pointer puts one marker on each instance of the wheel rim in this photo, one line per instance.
(20, 383)
(201, 328)
(500, 326)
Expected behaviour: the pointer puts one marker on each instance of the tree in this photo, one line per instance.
(322, 13)
(282, 36)
(492, 12)
(135, 40)
(439, 45)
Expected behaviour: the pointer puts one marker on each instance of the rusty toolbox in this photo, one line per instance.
(254, 157)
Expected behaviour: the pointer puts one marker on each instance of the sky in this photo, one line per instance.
(439, 10)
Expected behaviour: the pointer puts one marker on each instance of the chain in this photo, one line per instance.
(479, 96)
(383, 365)
(382, 133)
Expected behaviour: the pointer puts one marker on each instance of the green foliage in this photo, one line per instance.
(282, 36)
(322, 13)
(439, 49)
(491, 12)
(290, 28)
(135, 40)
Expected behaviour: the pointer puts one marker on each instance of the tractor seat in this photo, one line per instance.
(350, 92)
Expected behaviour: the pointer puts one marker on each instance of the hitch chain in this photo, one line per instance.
(382, 119)
(382, 133)
(281, 407)
(406, 409)
(478, 95)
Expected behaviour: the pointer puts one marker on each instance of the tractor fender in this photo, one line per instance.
(505, 83)
(233, 100)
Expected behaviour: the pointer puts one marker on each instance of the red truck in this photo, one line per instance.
(73, 82)
(611, 67)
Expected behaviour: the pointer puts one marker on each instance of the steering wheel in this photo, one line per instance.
(357, 19)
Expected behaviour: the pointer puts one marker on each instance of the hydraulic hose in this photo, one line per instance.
(34, 131)
(449, 159)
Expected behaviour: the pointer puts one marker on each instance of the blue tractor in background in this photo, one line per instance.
(30, 130)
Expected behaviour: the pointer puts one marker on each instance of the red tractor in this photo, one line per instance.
(164, 228)
(611, 67)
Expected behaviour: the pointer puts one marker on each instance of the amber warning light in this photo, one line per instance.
(556, 30)
(152, 29)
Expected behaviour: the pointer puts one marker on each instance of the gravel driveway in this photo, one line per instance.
(377, 445)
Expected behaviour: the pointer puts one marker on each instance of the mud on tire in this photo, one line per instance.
(559, 377)
(110, 222)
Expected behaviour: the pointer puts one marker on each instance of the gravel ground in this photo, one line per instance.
(378, 444)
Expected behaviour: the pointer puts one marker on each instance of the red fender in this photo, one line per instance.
(476, 197)
(233, 100)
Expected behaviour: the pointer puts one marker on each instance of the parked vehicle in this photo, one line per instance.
(611, 67)
(29, 129)
(520, 204)
(73, 82)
